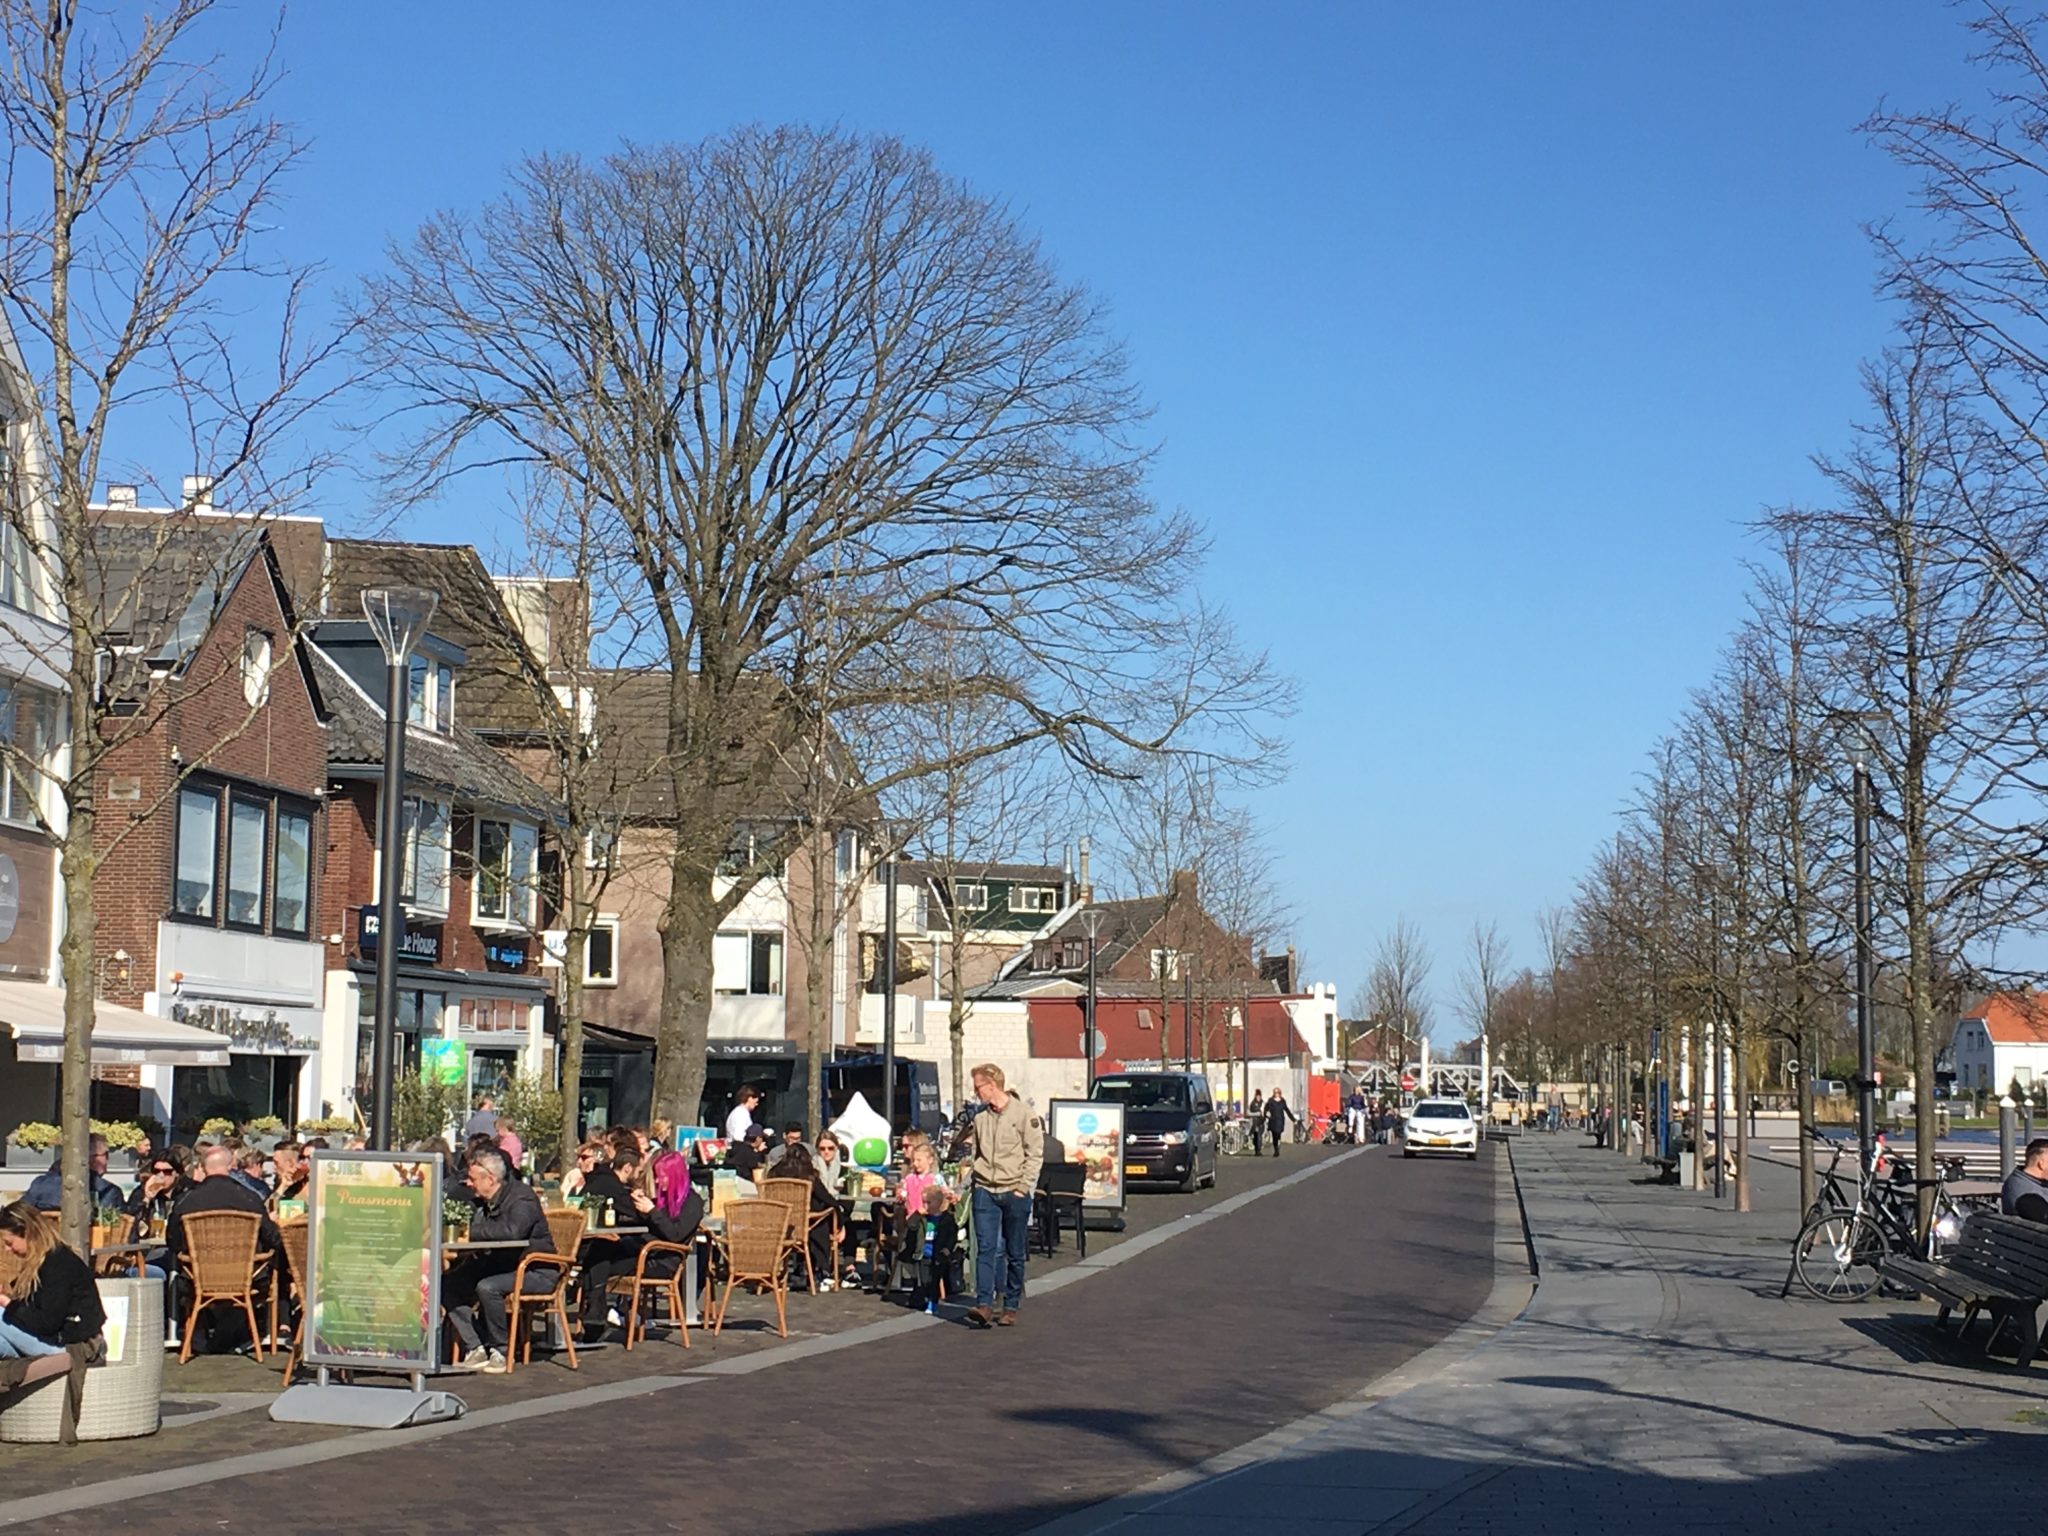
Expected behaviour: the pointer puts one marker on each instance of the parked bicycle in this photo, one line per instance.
(1236, 1138)
(1844, 1241)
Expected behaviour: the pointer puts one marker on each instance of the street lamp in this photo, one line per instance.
(399, 617)
(1091, 924)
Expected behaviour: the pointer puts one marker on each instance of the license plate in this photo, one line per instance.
(1134, 1167)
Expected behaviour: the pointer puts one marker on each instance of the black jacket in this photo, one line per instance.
(220, 1193)
(65, 1308)
(602, 1187)
(1277, 1115)
(515, 1213)
(681, 1227)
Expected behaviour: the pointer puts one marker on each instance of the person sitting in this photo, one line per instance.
(831, 1166)
(792, 1137)
(249, 1173)
(2025, 1193)
(510, 1144)
(609, 1184)
(823, 1235)
(149, 1211)
(46, 1190)
(933, 1248)
(746, 1158)
(483, 1121)
(589, 1157)
(219, 1190)
(292, 1173)
(475, 1288)
(51, 1305)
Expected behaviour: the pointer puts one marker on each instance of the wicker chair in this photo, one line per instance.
(640, 1285)
(795, 1195)
(293, 1235)
(221, 1257)
(566, 1228)
(756, 1253)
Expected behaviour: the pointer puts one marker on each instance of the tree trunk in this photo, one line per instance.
(75, 958)
(688, 925)
(1742, 1096)
(1809, 1186)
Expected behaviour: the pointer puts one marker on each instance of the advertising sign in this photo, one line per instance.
(373, 1281)
(1093, 1134)
(444, 1061)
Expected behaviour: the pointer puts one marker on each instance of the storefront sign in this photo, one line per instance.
(1093, 1134)
(245, 1028)
(421, 942)
(750, 1048)
(444, 1061)
(373, 1281)
(506, 952)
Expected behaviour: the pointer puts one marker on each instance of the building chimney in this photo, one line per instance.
(122, 496)
(197, 493)
(1086, 890)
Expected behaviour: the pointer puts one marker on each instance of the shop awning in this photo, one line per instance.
(34, 1014)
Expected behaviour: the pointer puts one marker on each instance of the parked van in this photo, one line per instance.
(1171, 1135)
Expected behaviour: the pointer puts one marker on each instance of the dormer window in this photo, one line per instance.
(1034, 898)
(430, 695)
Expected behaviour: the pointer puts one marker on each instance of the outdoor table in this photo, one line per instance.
(481, 1245)
(111, 1250)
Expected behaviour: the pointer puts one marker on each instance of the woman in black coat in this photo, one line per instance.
(51, 1302)
(1277, 1116)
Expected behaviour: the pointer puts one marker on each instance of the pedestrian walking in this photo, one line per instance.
(1257, 1115)
(1354, 1116)
(1277, 1116)
(1008, 1140)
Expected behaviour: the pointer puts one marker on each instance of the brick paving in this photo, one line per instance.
(1235, 1327)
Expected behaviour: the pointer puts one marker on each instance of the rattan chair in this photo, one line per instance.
(795, 1194)
(293, 1235)
(756, 1253)
(221, 1257)
(640, 1285)
(566, 1228)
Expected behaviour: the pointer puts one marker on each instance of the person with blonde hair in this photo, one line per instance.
(50, 1304)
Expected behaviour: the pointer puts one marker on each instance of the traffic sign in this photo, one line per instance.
(1094, 1042)
(1407, 1082)
(1792, 1067)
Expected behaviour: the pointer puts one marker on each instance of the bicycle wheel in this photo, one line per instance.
(1836, 1255)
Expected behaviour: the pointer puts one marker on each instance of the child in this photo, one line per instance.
(936, 1242)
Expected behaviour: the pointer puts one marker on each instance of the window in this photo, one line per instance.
(416, 705)
(27, 727)
(430, 694)
(1166, 965)
(256, 658)
(248, 856)
(600, 847)
(1073, 954)
(424, 881)
(969, 897)
(601, 954)
(846, 855)
(1034, 898)
(198, 856)
(506, 853)
(292, 886)
(18, 560)
(747, 964)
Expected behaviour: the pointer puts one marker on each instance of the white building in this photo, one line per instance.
(2002, 1047)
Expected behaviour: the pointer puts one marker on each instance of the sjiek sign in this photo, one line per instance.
(373, 1281)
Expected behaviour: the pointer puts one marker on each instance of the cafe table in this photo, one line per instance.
(132, 1251)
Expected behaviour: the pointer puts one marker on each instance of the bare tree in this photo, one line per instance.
(1480, 987)
(782, 358)
(140, 170)
(1398, 982)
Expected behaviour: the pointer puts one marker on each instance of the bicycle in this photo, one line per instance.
(1840, 1250)
(1235, 1138)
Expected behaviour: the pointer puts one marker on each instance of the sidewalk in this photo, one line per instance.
(1654, 1380)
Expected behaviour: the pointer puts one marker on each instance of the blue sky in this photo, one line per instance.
(1475, 332)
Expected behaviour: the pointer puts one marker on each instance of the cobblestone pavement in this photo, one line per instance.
(1193, 1344)
(1657, 1381)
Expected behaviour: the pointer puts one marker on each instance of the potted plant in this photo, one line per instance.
(327, 1125)
(109, 1225)
(123, 1137)
(455, 1214)
(32, 1144)
(264, 1132)
(216, 1129)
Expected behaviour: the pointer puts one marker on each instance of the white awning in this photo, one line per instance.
(34, 1013)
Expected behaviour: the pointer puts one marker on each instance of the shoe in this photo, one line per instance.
(1006, 1319)
(494, 1364)
(980, 1317)
(475, 1360)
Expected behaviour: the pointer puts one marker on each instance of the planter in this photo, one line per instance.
(121, 1162)
(124, 1397)
(264, 1141)
(36, 1158)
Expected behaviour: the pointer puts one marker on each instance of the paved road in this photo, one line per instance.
(1200, 1343)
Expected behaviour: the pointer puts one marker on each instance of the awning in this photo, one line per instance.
(34, 1013)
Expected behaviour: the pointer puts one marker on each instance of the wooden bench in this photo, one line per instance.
(1999, 1263)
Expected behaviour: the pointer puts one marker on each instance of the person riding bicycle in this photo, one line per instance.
(2026, 1188)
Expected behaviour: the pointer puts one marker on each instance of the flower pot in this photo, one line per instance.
(121, 1160)
(264, 1141)
(37, 1158)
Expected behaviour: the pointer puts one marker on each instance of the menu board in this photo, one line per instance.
(373, 1282)
(1093, 1134)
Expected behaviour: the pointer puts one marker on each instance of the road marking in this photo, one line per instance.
(143, 1485)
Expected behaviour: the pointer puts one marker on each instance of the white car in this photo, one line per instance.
(1440, 1125)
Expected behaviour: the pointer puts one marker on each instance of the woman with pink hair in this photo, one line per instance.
(664, 1199)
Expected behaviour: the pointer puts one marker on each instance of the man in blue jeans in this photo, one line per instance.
(1009, 1150)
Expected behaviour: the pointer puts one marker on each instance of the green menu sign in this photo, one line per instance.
(373, 1282)
(444, 1061)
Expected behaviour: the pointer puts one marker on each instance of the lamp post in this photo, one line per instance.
(1091, 924)
(888, 993)
(1866, 1042)
(399, 618)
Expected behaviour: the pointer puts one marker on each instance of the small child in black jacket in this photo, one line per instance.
(935, 1250)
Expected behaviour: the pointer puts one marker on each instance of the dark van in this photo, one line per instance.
(1170, 1131)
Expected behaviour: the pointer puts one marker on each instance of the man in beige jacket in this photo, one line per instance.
(1009, 1148)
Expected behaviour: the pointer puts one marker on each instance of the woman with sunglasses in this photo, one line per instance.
(149, 1210)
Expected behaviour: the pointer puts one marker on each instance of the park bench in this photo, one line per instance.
(1667, 1168)
(1999, 1263)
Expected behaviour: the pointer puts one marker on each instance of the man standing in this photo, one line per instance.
(742, 1114)
(475, 1289)
(2026, 1187)
(1008, 1151)
(1354, 1115)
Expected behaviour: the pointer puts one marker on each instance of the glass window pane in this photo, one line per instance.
(444, 699)
(493, 872)
(198, 826)
(294, 879)
(431, 887)
(248, 852)
(729, 964)
(416, 704)
(767, 965)
(523, 863)
(601, 955)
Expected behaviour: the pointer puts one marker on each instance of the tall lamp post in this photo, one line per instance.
(399, 617)
(889, 995)
(1866, 1042)
(1091, 924)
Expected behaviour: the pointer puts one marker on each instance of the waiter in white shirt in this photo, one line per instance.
(742, 1114)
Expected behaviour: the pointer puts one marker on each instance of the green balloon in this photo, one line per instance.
(871, 1151)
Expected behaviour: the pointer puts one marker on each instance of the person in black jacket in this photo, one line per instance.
(1277, 1116)
(474, 1290)
(51, 1302)
(220, 1191)
(610, 1190)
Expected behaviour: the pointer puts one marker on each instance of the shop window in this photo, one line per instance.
(198, 856)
